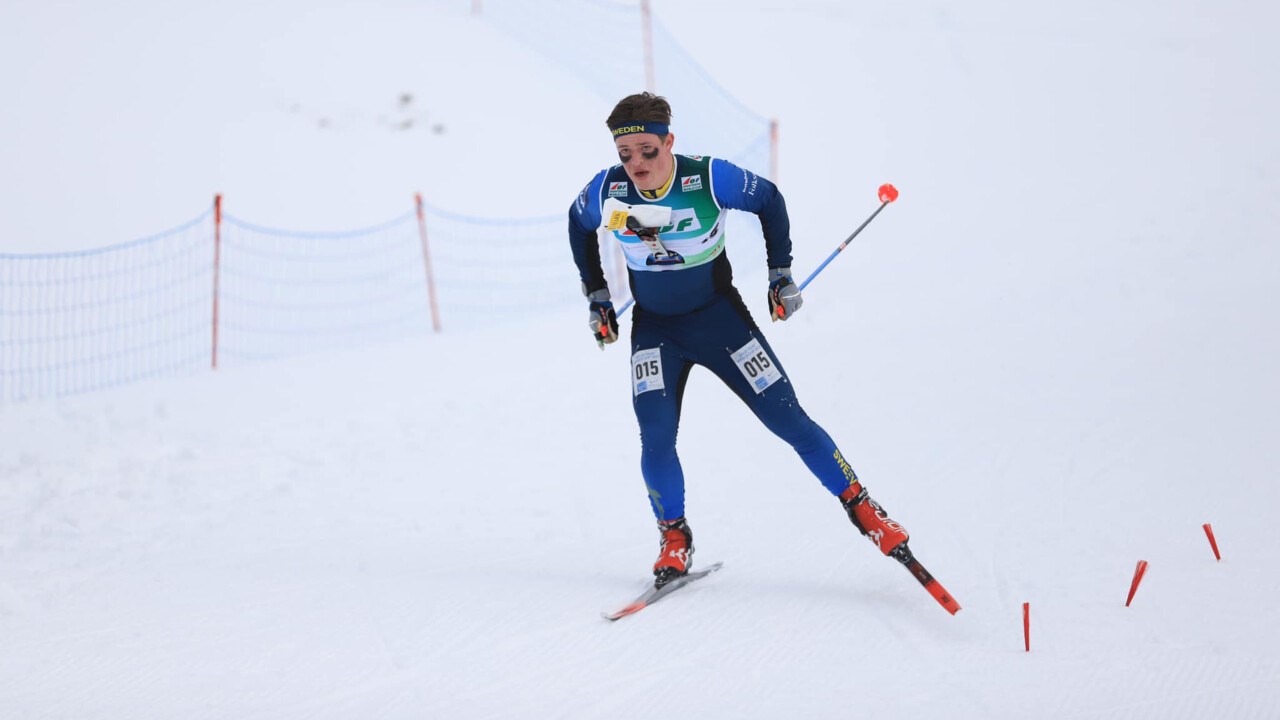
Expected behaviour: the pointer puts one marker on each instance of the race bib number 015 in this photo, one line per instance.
(646, 371)
(757, 367)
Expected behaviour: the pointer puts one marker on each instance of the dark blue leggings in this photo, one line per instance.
(711, 337)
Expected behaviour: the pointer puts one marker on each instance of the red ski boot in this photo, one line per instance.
(871, 520)
(676, 554)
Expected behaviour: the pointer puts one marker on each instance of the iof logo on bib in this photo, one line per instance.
(646, 371)
(756, 366)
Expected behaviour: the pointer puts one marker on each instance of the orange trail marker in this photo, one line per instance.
(1026, 625)
(1208, 531)
(1137, 578)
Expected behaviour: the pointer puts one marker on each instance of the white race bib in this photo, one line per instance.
(646, 371)
(757, 367)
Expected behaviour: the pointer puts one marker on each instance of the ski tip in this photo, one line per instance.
(943, 597)
(631, 609)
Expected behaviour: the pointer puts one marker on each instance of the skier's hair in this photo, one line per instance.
(640, 108)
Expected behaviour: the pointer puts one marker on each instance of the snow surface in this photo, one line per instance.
(1053, 357)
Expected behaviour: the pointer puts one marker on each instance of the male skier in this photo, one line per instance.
(668, 213)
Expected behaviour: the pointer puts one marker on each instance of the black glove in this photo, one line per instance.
(784, 294)
(604, 321)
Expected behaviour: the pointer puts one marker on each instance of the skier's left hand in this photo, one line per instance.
(784, 294)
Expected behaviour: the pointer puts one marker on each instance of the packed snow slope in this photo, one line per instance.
(1054, 356)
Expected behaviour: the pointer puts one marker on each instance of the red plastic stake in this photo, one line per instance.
(217, 269)
(1026, 625)
(1137, 578)
(1208, 531)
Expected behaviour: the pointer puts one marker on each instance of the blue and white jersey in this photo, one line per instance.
(699, 196)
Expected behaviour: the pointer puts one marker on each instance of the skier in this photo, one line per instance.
(667, 211)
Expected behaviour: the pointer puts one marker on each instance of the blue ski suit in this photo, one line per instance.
(689, 313)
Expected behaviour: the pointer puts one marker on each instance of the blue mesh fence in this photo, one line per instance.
(284, 292)
(78, 321)
(489, 269)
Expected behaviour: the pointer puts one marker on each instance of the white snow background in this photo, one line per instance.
(1054, 356)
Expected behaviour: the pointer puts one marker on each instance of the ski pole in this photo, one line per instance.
(887, 194)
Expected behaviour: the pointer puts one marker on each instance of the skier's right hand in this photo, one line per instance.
(784, 294)
(604, 321)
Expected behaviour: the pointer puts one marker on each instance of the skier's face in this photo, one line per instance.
(647, 158)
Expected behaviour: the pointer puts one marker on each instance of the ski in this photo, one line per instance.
(902, 554)
(654, 594)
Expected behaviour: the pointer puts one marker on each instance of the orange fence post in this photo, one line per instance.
(426, 261)
(217, 266)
